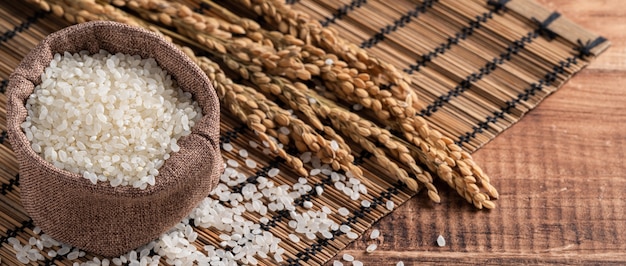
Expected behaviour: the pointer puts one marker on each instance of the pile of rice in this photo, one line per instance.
(108, 117)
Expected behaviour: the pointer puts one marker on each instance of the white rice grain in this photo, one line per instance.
(273, 172)
(90, 108)
(389, 205)
(294, 238)
(352, 235)
(343, 211)
(375, 234)
(441, 241)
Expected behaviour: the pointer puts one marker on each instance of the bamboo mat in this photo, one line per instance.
(477, 67)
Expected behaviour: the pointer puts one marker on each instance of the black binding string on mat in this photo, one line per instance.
(361, 158)
(399, 23)
(441, 49)
(23, 26)
(342, 12)
(277, 218)
(543, 26)
(50, 261)
(485, 70)
(3, 85)
(489, 67)
(291, 2)
(13, 232)
(225, 138)
(452, 40)
(498, 5)
(320, 243)
(583, 49)
(13, 183)
(523, 96)
(3, 136)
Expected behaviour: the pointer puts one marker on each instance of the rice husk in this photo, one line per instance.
(100, 218)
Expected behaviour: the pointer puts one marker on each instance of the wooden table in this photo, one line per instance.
(560, 172)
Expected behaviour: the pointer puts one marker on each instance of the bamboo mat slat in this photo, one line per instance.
(477, 67)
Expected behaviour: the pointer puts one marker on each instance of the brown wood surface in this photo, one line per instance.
(560, 172)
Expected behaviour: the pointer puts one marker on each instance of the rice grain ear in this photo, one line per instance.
(99, 218)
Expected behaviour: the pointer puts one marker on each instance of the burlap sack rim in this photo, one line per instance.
(18, 137)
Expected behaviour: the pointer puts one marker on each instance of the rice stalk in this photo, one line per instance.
(276, 63)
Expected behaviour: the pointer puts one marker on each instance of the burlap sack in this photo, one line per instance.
(99, 218)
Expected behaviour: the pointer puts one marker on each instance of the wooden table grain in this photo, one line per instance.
(561, 173)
